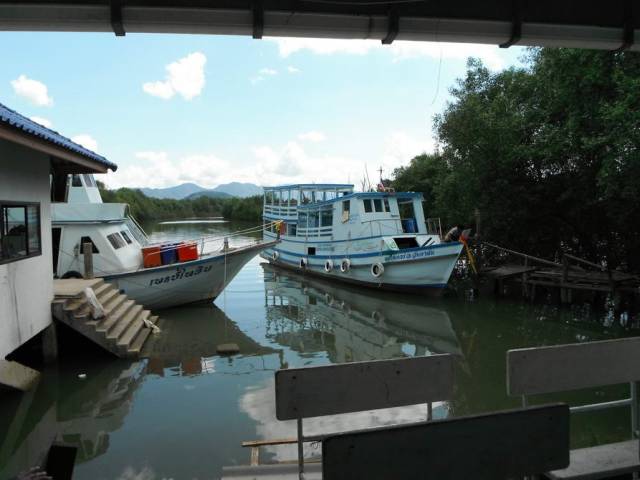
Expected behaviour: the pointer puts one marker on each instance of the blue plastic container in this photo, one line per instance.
(409, 225)
(169, 253)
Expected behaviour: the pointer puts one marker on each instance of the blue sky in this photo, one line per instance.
(175, 108)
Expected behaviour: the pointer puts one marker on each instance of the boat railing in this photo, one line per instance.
(315, 231)
(281, 210)
(137, 231)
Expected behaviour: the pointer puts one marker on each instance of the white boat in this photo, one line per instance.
(376, 239)
(118, 245)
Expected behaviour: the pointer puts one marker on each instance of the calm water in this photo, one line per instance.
(184, 413)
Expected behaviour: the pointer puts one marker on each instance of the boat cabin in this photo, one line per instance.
(335, 212)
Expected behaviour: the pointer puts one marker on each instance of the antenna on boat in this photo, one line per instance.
(366, 171)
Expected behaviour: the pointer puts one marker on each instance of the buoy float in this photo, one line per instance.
(377, 269)
(345, 265)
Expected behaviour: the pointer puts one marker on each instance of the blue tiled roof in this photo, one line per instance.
(14, 119)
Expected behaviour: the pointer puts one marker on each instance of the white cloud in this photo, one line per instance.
(399, 148)
(268, 71)
(293, 161)
(87, 141)
(33, 90)
(42, 121)
(313, 136)
(256, 80)
(292, 69)
(490, 54)
(184, 77)
(204, 169)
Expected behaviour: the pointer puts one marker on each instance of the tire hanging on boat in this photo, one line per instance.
(345, 265)
(303, 263)
(377, 269)
(328, 266)
(275, 255)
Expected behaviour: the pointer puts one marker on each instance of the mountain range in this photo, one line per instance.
(192, 190)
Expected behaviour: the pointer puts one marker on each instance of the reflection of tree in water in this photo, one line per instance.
(65, 408)
(351, 324)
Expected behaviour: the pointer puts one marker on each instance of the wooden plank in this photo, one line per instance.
(263, 443)
(560, 368)
(507, 271)
(604, 461)
(358, 386)
(255, 456)
(492, 446)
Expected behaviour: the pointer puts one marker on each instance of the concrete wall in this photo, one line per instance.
(26, 286)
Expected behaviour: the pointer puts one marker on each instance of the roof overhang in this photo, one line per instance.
(63, 160)
(567, 23)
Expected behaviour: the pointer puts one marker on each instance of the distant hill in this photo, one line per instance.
(210, 194)
(191, 190)
(178, 192)
(239, 189)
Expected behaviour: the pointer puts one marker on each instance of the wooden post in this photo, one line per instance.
(226, 245)
(478, 218)
(525, 278)
(87, 251)
(50, 344)
(564, 297)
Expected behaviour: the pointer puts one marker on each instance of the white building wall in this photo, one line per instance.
(26, 286)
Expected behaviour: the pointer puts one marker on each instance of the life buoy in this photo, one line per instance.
(328, 266)
(275, 255)
(303, 263)
(345, 265)
(377, 269)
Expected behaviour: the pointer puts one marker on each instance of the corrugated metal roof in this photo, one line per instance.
(14, 119)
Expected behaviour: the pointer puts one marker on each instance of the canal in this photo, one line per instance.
(183, 413)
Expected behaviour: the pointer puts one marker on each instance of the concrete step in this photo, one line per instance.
(118, 328)
(132, 332)
(123, 331)
(115, 315)
(136, 346)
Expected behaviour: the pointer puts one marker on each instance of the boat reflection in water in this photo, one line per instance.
(188, 341)
(311, 316)
(78, 410)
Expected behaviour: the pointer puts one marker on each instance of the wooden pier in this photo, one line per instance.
(563, 278)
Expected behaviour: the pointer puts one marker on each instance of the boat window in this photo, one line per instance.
(285, 197)
(331, 195)
(378, 204)
(302, 219)
(404, 242)
(126, 237)
(367, 205)
(295, 197)
(276, 197)
(76, 181)
(311, 250)
(313, 219)
(306, 197)
(326, 217)
(19, 231)
(346, 210)
(84, 240)
(116, 240)
(88, 180)
(387, 208)
(268, 197)
(291, 229)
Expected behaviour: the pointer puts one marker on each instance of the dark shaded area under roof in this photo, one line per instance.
(566, 23)
(17, 121)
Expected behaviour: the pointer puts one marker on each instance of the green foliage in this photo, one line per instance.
(147, 209)
(548, 153)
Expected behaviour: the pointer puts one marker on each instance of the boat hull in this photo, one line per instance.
(423, 270)
(196, 281)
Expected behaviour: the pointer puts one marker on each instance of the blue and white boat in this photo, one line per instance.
(376, 239)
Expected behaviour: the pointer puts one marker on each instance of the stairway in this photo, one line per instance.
(122, 331)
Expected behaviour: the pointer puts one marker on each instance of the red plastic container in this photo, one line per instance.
(187, 252)
(151, 257)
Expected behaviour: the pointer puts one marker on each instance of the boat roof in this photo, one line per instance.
(11, 118)
(311, 186)
(398, 195)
